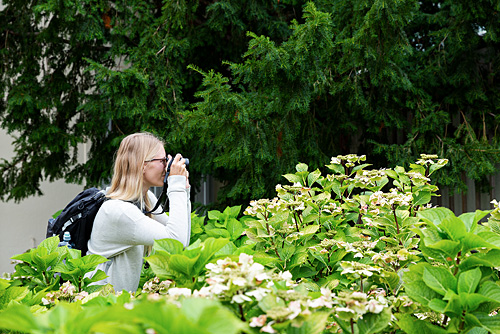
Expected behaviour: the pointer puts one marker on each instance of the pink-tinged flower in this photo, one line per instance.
(239, 281)
(179, 292)
(258, 321)
(68, 288)
(268, 329)
(240, 299)
(81, 295)
(154, 297)
(258, 293)
(374, 306)
(295, 307)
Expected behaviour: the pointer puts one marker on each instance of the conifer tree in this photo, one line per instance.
(247, 89)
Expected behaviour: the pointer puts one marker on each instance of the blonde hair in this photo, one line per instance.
(127, 182)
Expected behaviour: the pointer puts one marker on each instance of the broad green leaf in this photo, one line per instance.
(18, 318)
(447, 247)
(315, 323)
(270, 301)
(473, 300)
(471, 219)
(215, 215)
(422, 198)
(209, 247)
(490, 290)
(491, 237)
(469, 280)
(14, 293)
(437, 305)
(292, 178)
(50, 244)
(4, 284)
(301, 167)
(313, 177)
(374, 323)
(171, 246)
(435, 215)
(218, 233)
(420, 292)
(473, 241)
(454, 227)
(490, 259)
(411, 325)
(439, 280)
(211, 317)
(183, 264)
(286, 252)
(234, 211)
(159, 263)
(235, 228)
(25, 257)
(489, 323)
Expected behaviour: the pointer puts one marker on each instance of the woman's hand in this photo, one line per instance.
(178, 167)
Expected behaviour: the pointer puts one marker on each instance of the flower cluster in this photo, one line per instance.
(388, 200)
(350, 160)
(240, 281)
(354, 304)
(357, 269)
(429, 159)
(265, 205)
(155, 286)
(369, 178)
(417, 178)
(394, 258)
(297, 307)
(66, 292)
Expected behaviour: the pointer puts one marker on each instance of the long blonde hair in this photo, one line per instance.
(127, 182)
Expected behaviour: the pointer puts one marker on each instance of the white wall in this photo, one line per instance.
(23, 225)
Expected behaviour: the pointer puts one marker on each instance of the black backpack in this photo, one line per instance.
(77, 218)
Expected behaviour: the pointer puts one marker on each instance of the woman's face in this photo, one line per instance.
(154, 170)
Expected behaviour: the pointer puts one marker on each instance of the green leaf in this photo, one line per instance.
(313, 177)
(235, 228)
(435, 215)
(211, 317)
(301, 167)
(374, 323)
(209, 247)
(12, 294)
(171, 246)
(471, 219)
(314, 324)
(490, 290)
(468, 281)
(454, 227)
(422, 198)
(420, 292)
(489, 323)
(18, 318)
(439, 280)
(215, 215)
(411, 325)
(292, 178)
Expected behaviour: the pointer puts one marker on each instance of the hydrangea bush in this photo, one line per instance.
(357, 250)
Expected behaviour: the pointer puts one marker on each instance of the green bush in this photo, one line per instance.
(356, 250)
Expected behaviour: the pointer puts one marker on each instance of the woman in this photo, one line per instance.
(121, 229)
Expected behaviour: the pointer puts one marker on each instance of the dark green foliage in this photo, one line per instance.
(270, 84)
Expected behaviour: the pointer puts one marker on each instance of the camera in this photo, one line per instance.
(186, 161)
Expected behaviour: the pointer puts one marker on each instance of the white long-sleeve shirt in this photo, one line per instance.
(121, 231)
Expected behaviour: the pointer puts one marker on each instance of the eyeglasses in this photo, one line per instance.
(163, 160)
